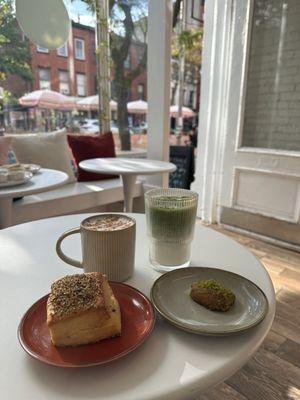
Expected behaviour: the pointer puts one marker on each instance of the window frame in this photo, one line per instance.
(65, 46)
(67, 81)
(141, 92)
(44, 80)
(41, 49)
(83, 49)
(85, 84)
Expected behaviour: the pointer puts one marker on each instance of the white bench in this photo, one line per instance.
(71, 198)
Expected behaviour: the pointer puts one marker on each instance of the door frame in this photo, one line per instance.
(214, 86)
(223, 94)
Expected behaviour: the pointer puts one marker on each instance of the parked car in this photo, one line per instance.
(92, 126)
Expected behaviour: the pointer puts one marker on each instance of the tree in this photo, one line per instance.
(124, 17)
(123, 13)
(190, 40)
(14, 52)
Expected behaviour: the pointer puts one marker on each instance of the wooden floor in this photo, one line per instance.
(274, 372)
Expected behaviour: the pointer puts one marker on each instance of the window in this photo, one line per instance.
(79, 49)
(42, 49)
(64, 86)
(141, 90)
(272, 106)
(81, 84)
(63, 50)
(44, 78)
(140, 53)
(127, 62)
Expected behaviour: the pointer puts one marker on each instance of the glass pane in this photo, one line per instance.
(272, 109)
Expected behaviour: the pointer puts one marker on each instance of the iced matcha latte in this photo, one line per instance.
(171, 215)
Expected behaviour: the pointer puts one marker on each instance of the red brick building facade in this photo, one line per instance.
(72, 69)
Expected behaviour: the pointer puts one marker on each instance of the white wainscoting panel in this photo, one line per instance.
(269, 194)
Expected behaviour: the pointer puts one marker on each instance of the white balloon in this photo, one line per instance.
(45, 22)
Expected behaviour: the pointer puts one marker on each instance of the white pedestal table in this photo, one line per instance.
(45, 179)
(170, 365)
(128, 169)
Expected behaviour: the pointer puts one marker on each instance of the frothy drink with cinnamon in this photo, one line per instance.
(108, 245)
(108, 223)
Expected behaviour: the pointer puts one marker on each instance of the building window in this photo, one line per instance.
(42, 49)
(44, 78)
(141, 91)
(79, 49)
(140, 53)
(81, 84)
(127, 62)
(64, 85)
(63, 50)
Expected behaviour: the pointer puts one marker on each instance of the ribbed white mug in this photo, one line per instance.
(110, 252)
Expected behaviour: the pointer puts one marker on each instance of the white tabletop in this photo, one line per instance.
(126, 166)
(171, 364)
(45, 179)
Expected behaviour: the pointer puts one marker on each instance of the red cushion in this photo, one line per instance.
(85, 147)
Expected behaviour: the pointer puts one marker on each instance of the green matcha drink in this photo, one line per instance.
(171, 215)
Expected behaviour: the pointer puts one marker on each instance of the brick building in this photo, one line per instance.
(72, 68)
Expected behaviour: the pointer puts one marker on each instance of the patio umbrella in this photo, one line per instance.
(137, 107)
(47, 99)
(92, 103)
(186, 112)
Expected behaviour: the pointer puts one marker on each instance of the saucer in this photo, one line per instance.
(170, 295)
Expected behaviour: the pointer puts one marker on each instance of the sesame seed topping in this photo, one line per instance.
(75, 293)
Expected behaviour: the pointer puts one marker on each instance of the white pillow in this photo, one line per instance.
(49, 149)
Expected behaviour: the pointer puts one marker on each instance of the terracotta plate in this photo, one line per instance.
(138, 320)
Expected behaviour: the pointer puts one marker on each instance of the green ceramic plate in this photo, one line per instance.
(170, 297)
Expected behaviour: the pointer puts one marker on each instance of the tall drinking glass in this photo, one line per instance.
(171, 216)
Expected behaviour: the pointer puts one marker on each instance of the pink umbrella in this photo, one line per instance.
(186, 112)
(47, 99)
(92, 103)
(137, 107)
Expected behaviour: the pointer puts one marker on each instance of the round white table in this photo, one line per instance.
(170, 365)
(45, 179)
(128, 169)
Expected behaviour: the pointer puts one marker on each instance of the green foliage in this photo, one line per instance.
(190, 41)
(14, 51)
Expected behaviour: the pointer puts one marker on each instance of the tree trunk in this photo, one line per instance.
(124, 134)
(103, 70)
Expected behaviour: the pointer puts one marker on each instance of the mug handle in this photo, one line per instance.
(60, 253)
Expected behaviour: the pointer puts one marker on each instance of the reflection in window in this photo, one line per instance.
(44, 78)
(272, 107)
(81, 84)
(64, 85)
(79, 49)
